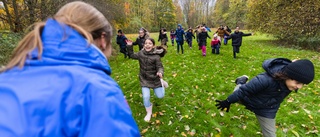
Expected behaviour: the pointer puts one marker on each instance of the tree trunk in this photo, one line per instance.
(8, 15)
(17, 23)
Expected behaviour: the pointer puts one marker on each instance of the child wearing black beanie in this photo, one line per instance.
(265, 92)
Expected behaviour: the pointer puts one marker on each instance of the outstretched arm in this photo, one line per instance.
(247, 34)
(130, 50)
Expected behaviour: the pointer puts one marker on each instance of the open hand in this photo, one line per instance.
(129, 42)
(223, 104)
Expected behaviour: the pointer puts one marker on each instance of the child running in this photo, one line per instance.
(203, 40)
(151, 72)
(143, 35)
(163, 38)
(237, 40)
(215, 44)
(179, 38)
(189, 36)
(121, 41)
(172, 37)
(266, 91)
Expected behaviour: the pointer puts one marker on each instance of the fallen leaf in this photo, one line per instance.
(157, 121)
(193, 132)
(295, 133)
(174, 75)
(221, 113)
(183, 134)
(144, 131)
(312, 132)
(310, 117)
(161, 114)
(154, 115)
(307, 111)
(186, 127)
(186, 116)
(290, 99)
(218, 129)
(170, 122)
(207, 111)
(244, 127)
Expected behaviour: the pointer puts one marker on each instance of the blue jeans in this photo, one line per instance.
(159, 92)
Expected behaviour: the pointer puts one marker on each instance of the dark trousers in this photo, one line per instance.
(179, 44)
(124, 51)
(236, 49)
(215, 49)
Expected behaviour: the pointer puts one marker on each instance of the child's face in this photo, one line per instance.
(141, 33)
(293, 84)
(148, 45)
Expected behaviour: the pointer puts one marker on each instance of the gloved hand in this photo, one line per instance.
(222, 104)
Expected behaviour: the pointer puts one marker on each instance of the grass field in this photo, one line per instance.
(188, 108)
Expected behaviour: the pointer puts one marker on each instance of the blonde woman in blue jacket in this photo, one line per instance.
(58, 82)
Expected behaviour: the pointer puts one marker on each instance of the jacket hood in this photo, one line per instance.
(158, 50)
(62, 45)
(272, 66)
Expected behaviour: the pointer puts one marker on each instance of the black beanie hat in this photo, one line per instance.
(300, 70)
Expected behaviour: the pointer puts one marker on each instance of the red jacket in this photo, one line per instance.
(214, 42)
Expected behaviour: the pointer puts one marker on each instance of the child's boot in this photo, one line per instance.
(149, 113)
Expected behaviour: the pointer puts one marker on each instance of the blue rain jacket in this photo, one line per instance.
(68, 92)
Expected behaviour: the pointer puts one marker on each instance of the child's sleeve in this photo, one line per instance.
(131, 52)
(159, 66)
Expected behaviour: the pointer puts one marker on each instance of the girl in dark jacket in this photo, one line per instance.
(151, 71)
(203, 40)
(189, 36)
(163, 38)
(143, 35)
(265, 92)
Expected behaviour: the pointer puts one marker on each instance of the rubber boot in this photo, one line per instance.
(149, 113)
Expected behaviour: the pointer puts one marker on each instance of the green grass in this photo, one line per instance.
(188, 107)
(195, 82)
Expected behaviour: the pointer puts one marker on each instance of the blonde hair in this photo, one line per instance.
(83, 17)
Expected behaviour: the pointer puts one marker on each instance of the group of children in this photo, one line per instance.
(151, 68)
(88, 102)
(281, 75)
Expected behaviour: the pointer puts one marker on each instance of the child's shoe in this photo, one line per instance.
(242, 79)
(149, 113)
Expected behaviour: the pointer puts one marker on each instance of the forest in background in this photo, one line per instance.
(294, 21)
